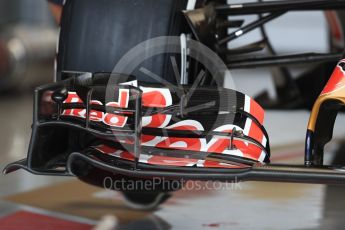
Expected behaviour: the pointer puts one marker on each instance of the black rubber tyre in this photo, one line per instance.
(145, 200)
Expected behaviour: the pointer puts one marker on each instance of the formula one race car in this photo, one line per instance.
(138, 98)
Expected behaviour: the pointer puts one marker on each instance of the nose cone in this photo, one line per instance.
(337, 80)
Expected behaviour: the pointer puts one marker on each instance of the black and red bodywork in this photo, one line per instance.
(87, 146)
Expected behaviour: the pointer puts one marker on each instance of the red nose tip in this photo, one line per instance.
(337, 79)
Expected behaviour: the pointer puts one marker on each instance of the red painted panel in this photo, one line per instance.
(31, 221)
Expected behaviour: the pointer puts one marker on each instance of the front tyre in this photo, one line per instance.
(145, 200)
